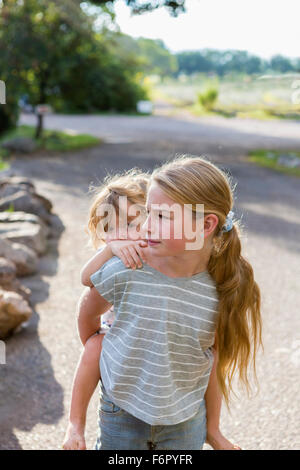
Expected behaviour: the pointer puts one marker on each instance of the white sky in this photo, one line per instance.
(263, 27)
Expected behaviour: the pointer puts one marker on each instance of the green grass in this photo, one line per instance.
(54, 140)
(3, 164)
(260, 157)
(242, 96)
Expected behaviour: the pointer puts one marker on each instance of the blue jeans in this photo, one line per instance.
(119, 430)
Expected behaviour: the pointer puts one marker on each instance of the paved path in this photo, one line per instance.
(35, 384)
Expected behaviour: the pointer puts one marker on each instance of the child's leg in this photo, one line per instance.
(86, 378)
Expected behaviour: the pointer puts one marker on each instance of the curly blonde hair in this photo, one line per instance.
(132, 183)
(195, 180)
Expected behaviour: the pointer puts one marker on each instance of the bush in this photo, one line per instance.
(208, 98)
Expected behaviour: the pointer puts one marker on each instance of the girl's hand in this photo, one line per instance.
(128, 251)
(218, 442)
(74, 438)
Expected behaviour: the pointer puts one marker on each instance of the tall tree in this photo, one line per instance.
(51, 51)
(139, 6)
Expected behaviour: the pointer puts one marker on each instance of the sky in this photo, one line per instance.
(262, 27)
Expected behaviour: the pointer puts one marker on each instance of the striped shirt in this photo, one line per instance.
(156, 358)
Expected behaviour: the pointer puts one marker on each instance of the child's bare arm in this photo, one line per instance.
(91, 306)
(94, 264)
(213, 399)
(126, 250)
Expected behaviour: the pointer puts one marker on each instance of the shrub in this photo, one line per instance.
(208, 98)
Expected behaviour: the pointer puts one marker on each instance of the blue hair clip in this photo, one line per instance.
(228, 222)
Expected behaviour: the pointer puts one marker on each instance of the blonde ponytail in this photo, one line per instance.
(239, 323)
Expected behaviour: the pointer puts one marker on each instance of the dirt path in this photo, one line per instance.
(35, 384)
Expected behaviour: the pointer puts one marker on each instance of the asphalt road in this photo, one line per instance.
(35, 384)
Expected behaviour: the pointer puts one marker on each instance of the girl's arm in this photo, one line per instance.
(90, 307)
(126, 250)
(213, 399)
(94, 264)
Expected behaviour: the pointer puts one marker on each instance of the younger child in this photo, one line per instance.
(104, 232)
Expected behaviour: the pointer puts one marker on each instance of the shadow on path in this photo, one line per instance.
(29, 392)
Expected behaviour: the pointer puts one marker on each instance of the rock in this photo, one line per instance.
(26, 233)
(14, 310)
(7, 271)
(56, 226)
(23, 257)
(19, 216)
(20, 145)
(10, 189)
(16, 181)
(8, 279)
(21, 194)
(16, 286)
(27, 202)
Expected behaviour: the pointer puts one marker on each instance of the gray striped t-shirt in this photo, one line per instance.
(156, 358)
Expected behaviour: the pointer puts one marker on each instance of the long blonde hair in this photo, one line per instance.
(131, 183)
(192, 180)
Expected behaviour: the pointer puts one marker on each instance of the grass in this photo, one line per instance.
(3, 164)
(261, 157)
(56, 141)
(256, 97)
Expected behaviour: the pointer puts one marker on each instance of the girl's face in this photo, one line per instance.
(132, 227)
(169, 230)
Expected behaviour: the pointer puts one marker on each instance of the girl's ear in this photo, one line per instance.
(210, 223)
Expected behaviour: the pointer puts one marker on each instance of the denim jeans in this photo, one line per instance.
(119, 430)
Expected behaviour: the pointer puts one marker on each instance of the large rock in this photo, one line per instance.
(14, 181)
(26, 201)
(30, 234)
(17, 287)
(8, 280)
(20, 145)
(14, 310)
(19, 192)
(24, 258)
(19, 216)
(7, 271)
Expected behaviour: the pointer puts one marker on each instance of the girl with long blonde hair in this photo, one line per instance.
(185, 321)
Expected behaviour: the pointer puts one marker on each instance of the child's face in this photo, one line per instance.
(167, 230)
(132, 227)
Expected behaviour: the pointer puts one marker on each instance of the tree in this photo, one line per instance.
(138, 6)
(281, 64)
(157, 59)
(50, 51)
(57, 58)
(190, 62)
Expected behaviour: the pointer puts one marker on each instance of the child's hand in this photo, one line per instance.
(128, 251)
(74, 438)
(218, 442)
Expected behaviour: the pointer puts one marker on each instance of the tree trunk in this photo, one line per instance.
(39, 127)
